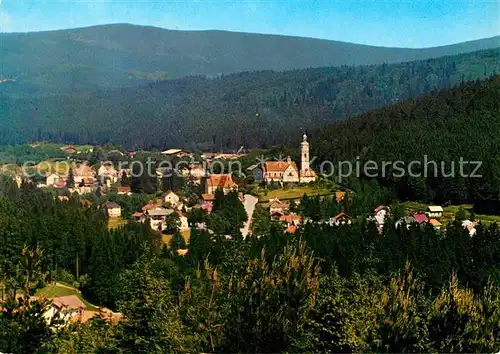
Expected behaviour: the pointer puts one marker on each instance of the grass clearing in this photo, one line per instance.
(295, 192)
(115, 223)
(450, 211)
(185, 234)
(53, 290)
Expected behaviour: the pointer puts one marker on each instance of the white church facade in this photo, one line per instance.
(287, 171)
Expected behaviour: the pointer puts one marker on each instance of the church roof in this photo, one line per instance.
(279, 166)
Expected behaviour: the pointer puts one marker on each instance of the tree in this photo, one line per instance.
(70, 181)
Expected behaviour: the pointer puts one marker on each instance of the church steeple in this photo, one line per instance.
(304, 154)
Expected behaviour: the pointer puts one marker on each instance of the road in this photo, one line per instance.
(249, 204)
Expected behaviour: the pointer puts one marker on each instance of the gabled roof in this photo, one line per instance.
(123, 189)
(253, 167)
(290, 218)
(434, 222)
(435, 209)
(377, 209)
(149, 206)
(111, 205)
(169, 192)
(221, 181)
(173, 151)
(159, 211)
(208, 197)
(70, 302)
(279, 166)
(342, 215)
(137, 214)
(420, 218)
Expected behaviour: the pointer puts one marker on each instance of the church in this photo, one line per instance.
(287, 171)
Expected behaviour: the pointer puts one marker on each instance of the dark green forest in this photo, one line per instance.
(323, 289)
(253, 109)
(122, 55)
(444, 126)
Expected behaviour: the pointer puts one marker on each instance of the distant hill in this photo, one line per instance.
(122, 55)
(444, 126)
(252, 108)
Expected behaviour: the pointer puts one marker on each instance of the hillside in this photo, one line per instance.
(99, 57)
(444, 126)
(251, 109)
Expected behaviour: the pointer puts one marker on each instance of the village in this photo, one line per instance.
(277, 185)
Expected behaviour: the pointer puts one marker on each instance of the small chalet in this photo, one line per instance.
(434, 211)
(379, 215)
(341, 219)
(222, 181)
(66, 308)
(113, 210)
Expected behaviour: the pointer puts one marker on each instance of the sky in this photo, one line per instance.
(390, 23)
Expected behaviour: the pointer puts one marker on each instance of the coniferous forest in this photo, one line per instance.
(325, 288)
(253, 109)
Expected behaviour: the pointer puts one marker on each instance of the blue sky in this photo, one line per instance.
(401, 23)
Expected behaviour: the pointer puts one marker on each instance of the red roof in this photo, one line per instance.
(137, 214)
(148, 206)
(208, 197)
(123, 189)
(380, 207)
(420, 218)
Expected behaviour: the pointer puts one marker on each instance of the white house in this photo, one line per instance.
(65, 309)
(170, 198)
(434, 211)
(52, 179)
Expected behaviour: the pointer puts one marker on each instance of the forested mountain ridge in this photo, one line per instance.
(445, 126)
(121, 55)
(251, 108)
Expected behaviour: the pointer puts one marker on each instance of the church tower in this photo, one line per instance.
(304, 155)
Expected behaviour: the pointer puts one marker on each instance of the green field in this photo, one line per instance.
(114, 223)
(186, 234)
(295, 192)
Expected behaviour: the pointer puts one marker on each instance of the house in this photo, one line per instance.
(222, 181)
(194, 172)
(65, 309)
(341, 219)
(113, 210)
(149, 206)
(257, 172)
(434, 211)
(276, 207)
(281, 172)
(408, 220)
(108, 172)
(179, 153)
(420, 218)
(469, 226)
(379, 215)
(436, 224)
(83, 174)
(205, 197)
(139, 216)
(287, 171)
(70, 149)
(291, 219)
(52, 179)
(170, 198)
(339, 196)
(184, 221)
(124, 190)
(157, 217)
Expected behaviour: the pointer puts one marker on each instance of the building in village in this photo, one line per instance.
(157, 217)
(287, 171)
(113, 210)
(172, 199)
(434, 211)
(223, 181)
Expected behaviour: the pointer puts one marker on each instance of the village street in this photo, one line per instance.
(249, 204)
